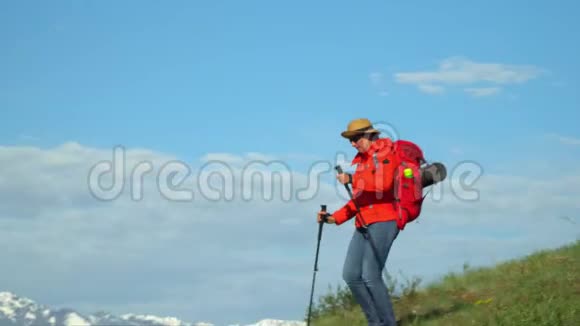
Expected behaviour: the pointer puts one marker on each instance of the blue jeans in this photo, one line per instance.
(363, 268)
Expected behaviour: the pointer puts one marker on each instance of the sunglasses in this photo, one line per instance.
(355, 138)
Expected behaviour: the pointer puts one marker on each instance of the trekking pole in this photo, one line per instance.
(339, 171)
(365, 233)
(320, 224)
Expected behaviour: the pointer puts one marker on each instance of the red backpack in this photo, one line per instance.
(407, 186)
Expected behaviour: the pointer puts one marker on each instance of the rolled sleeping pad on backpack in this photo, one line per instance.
(432, 174)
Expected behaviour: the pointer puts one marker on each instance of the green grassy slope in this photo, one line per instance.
(541, 289)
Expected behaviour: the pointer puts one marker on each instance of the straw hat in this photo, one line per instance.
(359, 126)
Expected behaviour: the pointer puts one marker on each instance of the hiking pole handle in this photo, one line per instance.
(339, 171)
(324, 217)
(321, 223)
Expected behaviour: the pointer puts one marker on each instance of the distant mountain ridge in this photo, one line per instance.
(20, 311)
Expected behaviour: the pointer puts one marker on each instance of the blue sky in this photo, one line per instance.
(190, 78)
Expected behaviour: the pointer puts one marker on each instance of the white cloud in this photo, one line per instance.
(222, 157)
(431, 89)
(376, 77)
(252, 156)
(152, 250)
(378, 82)
(457, 70)
(27, 137)
(566, 140)
(461, 71)
(482, 91)
(194, 259)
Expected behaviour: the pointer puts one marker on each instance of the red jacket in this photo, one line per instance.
(372, 186)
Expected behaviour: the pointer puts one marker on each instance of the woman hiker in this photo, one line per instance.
(369, 246)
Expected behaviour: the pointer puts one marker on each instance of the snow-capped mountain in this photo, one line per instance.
(19, 311)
